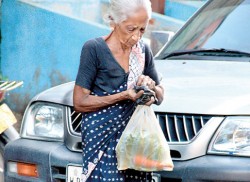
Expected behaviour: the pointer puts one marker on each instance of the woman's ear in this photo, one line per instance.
(112, 26)
(112, 23)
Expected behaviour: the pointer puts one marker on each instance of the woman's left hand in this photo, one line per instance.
(146, 81)
(149, 103)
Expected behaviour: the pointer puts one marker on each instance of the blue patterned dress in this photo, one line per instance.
(101, 130)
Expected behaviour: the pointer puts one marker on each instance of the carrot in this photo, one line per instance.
(148, 163)
(1, 95)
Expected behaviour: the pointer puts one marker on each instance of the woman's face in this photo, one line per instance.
(131, 30)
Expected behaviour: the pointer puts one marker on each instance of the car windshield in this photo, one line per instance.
(221, 25)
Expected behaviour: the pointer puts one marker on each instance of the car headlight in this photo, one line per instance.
(233, 137)
(44, 121)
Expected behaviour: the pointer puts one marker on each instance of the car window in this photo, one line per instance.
(221, 24)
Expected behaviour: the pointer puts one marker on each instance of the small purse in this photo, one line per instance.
(146, 95)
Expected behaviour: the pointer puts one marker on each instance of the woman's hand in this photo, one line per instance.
(132, 95)
(157, 89)
(146, 81)
(152, 100)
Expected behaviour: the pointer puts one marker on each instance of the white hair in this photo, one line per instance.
(120, 10)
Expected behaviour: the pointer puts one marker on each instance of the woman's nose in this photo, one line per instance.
(137, 35)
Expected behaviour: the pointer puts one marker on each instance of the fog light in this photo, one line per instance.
(23, 169)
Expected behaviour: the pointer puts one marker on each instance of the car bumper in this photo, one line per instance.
(209, 168)
(51, 159)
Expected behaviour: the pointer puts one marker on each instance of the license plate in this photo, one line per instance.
(74, 173)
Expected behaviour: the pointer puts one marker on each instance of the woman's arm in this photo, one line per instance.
(150, 77)
(84, 102)
(159, 93)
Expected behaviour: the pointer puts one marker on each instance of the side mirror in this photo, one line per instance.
(159, 39)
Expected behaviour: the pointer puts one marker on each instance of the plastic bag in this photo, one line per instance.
(142, 145)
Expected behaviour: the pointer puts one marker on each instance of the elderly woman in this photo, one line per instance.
(110, 67)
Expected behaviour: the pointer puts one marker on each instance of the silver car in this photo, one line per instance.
(205, 116)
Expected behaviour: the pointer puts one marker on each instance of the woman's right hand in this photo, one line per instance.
(132, 95)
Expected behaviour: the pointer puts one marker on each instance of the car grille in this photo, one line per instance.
(76, 119)
(181, 128)
(177, 128)
(59, 174)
